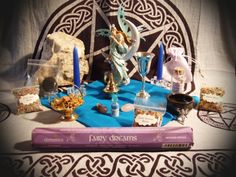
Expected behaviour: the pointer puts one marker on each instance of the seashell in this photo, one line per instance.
(127, 107)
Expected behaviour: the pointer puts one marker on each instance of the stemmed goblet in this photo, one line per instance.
(144, 62)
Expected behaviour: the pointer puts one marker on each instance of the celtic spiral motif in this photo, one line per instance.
(209, 163)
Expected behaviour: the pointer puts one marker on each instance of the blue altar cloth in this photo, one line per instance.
(90, 117)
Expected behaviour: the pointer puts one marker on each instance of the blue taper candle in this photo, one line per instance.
(76, 67)
(159, 70)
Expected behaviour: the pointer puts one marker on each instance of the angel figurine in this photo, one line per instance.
(123, 45)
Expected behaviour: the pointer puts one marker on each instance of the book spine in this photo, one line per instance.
(108, 138)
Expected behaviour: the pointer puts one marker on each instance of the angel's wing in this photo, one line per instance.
(124, 26)
(103, 32)
(121, 21)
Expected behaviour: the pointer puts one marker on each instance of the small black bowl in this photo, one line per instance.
(179, 103)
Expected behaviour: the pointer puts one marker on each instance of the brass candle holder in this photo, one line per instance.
(111, 86)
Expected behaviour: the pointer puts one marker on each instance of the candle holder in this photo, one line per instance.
(144, 62)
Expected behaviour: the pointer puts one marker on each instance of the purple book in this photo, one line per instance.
(155, 138)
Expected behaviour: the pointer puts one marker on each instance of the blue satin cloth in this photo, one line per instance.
(90, 117)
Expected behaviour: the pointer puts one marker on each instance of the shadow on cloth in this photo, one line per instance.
(24, 146)
(47, 117)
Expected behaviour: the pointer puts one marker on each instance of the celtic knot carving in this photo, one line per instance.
(210, 164)
(122, 164)
(152, 13)
(159, 20)
(179, 165)
(134, 165)
(53, 165)
(92, 166)
(224, 120)
(72, 21)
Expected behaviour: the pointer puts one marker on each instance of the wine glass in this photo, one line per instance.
(144, 62)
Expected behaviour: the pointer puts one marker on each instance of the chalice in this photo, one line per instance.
(144, 62)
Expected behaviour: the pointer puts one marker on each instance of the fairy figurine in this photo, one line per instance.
(123, 45)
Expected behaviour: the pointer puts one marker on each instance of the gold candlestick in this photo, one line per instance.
(111, 85)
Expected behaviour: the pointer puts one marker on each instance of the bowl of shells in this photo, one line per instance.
(66, 105)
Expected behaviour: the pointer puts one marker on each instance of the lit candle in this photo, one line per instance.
(159, 70)
(76, 67)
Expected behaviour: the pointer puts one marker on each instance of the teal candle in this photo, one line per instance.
(76, 67)
(159, 70)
